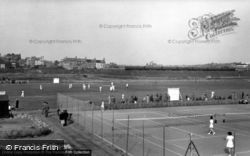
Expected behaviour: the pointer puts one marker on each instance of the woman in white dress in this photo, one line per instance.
(211, 126)
(230, 143)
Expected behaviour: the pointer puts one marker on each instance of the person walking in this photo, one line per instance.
(211, 126)
(230, 143)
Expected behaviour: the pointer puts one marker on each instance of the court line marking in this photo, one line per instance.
(241, 152)
(133, 112)
(185, 110)
(145, 139)
(204, 137)
(162, 113)
(166, 117)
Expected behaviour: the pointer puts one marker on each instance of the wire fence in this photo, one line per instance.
(132, 134)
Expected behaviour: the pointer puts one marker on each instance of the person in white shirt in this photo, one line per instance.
(102, 106)
(230, 143)
(211, 126)
(22, 93)
(41, 87)
(83, 86)
(126, 85)
(100, 88)
(70, 85)
(212, 94)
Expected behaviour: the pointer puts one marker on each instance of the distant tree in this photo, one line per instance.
(56, 63)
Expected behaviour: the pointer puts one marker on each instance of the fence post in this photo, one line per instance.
(102, 124)
(234, 150)
(113, 126)
(67, 101)
(163, 140)
(127, 137)
(92, 125)
(142, 137)
(78, 112)
(84, 119)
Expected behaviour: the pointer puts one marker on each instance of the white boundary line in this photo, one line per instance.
(208, 137)
(132, 112)
(165, 118)
(242, 152)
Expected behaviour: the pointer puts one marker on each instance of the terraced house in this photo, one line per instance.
(82, 63)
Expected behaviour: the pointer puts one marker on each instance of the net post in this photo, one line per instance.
(127, 137)
(163, 140)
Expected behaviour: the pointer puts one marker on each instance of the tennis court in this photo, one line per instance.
(144, 132)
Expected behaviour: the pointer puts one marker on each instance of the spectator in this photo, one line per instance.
(64, 117)
(135, 99)
(70, 85)
(242, 95)
(45, 109)
(126, 85)
(22, 93)
(41, 87)
(10, 108)
(212, 94)
(102, 106)
(17, 103)
(151, 98)
(123, 98)
(83, 86)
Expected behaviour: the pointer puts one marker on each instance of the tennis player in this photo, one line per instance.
(230, 143)
(211, 126)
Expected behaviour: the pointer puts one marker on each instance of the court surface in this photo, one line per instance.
(181, 124)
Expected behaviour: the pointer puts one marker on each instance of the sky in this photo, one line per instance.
(151, 30)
